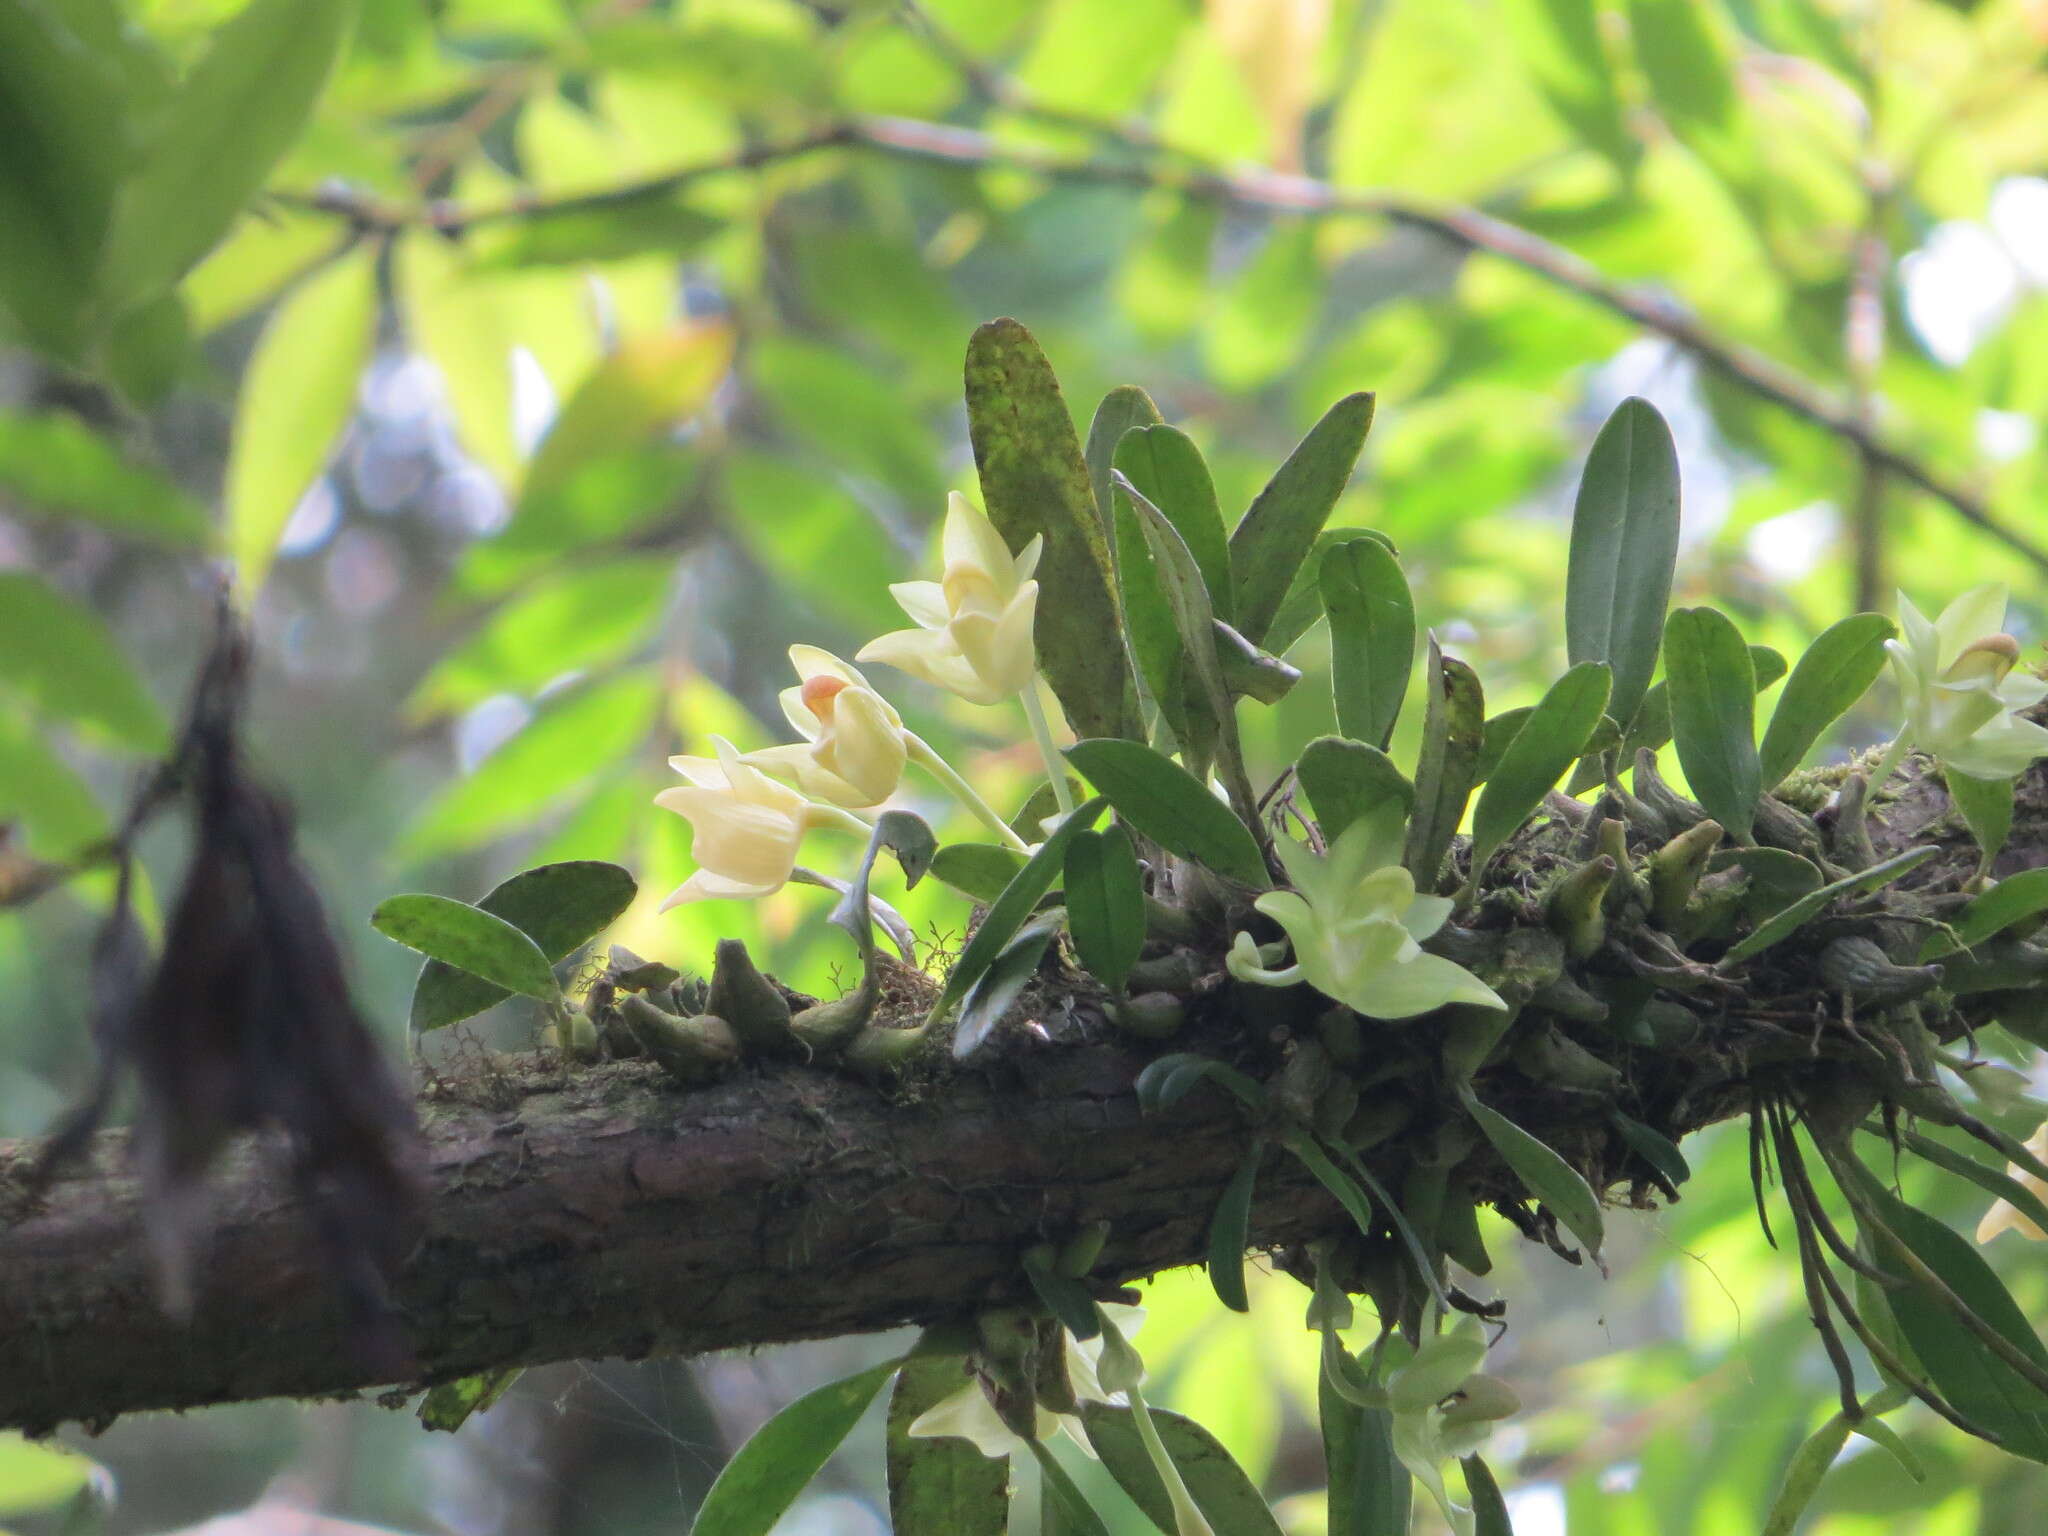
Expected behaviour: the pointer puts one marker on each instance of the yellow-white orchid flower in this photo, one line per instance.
(745, 827)
(1357, 925)
(973, 634)
(1958, 675)
(968, 1415)
(1444, 1408)
(2002, 1216)
(854, 745)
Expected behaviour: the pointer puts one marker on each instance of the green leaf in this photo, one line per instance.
(1003, 981)
(1068, 1504)
(1344, 779)
(1453, 734)
(55, 465)
(60, 657)
(1803, 1474)
(1782, 924)
(212, 147)
(469, 938)
(44, 794)
(1064, 1297)
(1163, 801)
(1558, 41)
(1994, 1181)
(1689, 72)
(1652, 726)
(448, 1406)
(1369, 1488)
(38, 1474)
(2012, 900)
(1303, 604)
(1981, 1386)
(1623, 550)
(298, 394)
(1549, 742)
(601, 228)
(1230, 1232)
(1122, 409)
(1218, 1485)
(1034, 481)
(940, 1485)
(1372, 637)
(558, 906)
(1278, 532)
(765, 1476)
(1833, 673)
(1548, 1177)
(1504, 727)
(1713, 715)
(642, 389)
(1346, 1189)
(1986, 808)
(1180, 579)
(1654, 1148)
(1013, 907)
(1489, 1509)
(1166, 467)
(1166, 1080)
(1105, 904)
(978, 871)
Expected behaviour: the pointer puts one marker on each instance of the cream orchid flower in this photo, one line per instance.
(1443, 1408)
(745, 827)
(1357, 925)
(854, 747)
(974, 625)
(2002, 1216)
(968, 1415)
(1958, 675)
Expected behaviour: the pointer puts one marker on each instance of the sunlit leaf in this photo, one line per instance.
(650, 384)
(448, 1406)
(56, 809)
(558, 906)
(1163, 801)
(54, 465)
(469, 939)
(1279, 530)
(38, 1474)
(766, 1474)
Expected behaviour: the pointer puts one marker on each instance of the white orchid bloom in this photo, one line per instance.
(2003, 1216)
(968, 1414)
(854, 747)
(1960, 681)
(745, 827)
(1357, 924)
(1443, 1408)
(974, 625)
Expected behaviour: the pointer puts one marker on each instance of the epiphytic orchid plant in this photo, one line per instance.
(1507, 974)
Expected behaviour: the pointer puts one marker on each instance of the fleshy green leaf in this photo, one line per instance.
(448, 1406)
(1105, 904)
(1782, 924)
(1122, 409)
(1166, 803)
(1370, 1490)
(1218, 1485)
(978, 871)
(1372, 637)
(1489, 1509)
(1453, 734)
(470, 939)
(558, 906)
(1068, 1504)
(1803, 1474)
(1034, 481)
(2013, 900)
(997, 987)
(1713, 714)
(1549, 742)
(1654, 1148)
(1010, 910)
(1652, 727)
(1180, 579)
(298, 393)
(1547, 1176)
(1166, 1080)
(1276, 535)
(1229, 1232)
(1623, 550)
(1986, 808)
(1166, 467)
(1064, 1296)
(1833, 673)
(1303, 604)
(60, 657)
(55, 465)
(766, 1474)
(939, 1485)
(1343, 779)
(212, 147)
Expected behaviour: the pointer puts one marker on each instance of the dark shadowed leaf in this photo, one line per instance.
(1788, 920)
(985, 1003)
(1546, 1175)
(1549, 742)
(1624, 547)
(468, 938)
(1218, 1484)
(767, 1473)
(1833, 673)
(1489, 1509)
(1372, 637)
(940, 1485)
(1166, 803)
(1229, 1232)
(1105, 904)
(1166, 1080)
(557, 906)
(1268, 547)
(1344, 778)
(1065, 1297)
(1370, 1490)
(1654, 1148)
(2013, 900)
(1713, 714)
(448, 1406)
(1453, 734)
(1034, 481)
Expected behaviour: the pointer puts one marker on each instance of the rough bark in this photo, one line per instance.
(605, 1212)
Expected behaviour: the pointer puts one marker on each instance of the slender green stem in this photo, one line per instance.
(922, 753)
(1887, 765)
(1034, 711)
(1190, 1520)
(840, 819)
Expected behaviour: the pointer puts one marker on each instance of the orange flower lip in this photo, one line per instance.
(819, 691)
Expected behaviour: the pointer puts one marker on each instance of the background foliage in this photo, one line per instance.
(578, 357)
